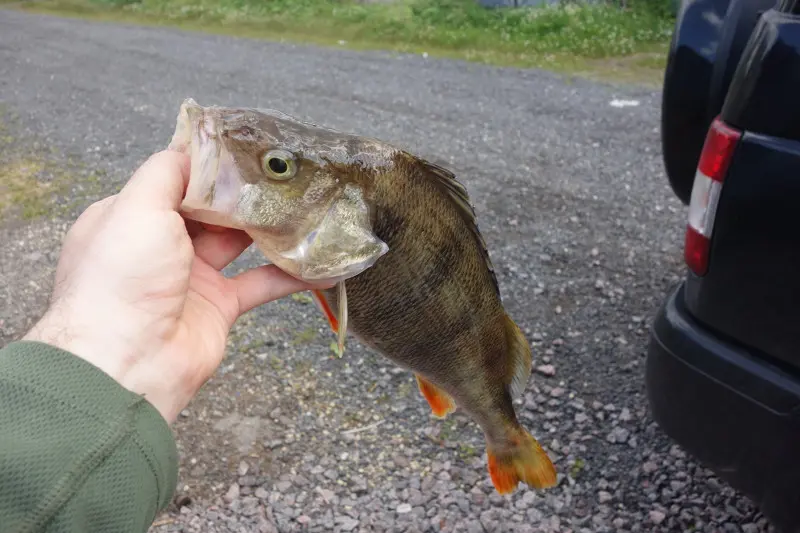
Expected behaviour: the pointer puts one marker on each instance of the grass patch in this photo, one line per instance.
(302, 297)
(576, 468)
(304, 337)
(20, 190)
(35, 181)
(32, 187)
(466, 451)
(568, 38)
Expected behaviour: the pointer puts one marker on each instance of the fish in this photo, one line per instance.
(395, 238)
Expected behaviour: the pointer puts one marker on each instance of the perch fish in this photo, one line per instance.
(397, 239)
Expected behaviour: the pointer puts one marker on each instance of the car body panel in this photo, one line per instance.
(751, 291)
(732, 411)
(764, 92)
(709, 38)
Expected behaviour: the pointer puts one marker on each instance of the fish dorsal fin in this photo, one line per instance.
(447, 182)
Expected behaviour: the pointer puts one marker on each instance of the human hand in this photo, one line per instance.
(139, 293)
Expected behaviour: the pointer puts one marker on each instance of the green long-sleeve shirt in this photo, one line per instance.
(78, 452)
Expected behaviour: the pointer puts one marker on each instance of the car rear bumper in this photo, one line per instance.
(736, 413)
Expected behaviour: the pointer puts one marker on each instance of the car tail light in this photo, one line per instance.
(717, 151)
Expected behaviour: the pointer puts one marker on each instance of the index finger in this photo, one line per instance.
(159, 183)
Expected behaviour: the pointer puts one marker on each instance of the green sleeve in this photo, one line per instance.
(78, 452)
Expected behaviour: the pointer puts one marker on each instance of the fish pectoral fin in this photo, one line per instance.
(526, 461)
(441, 403)
(342, 329)
(519, 354)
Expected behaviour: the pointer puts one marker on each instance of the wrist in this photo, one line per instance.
(57, 329)
(113, 355)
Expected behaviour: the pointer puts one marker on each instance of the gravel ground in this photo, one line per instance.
(583, 230)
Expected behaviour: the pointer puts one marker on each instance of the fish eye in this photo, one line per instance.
(279, 165)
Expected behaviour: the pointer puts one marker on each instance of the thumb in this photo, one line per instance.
(159, 183)
(265, 284)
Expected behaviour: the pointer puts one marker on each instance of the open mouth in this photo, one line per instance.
(214, 183)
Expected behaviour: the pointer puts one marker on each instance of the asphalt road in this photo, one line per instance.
(584, 233)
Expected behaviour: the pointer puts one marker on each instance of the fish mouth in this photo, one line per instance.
(212, 194)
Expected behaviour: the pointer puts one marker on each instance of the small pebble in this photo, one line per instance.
(232, 494)
(657, 517)
(649, 467)
(546, 370)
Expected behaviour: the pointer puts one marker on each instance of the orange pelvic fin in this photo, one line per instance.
(441, 403)
(526, 461)
(322, 303)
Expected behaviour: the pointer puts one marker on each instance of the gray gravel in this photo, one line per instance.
(584, 232)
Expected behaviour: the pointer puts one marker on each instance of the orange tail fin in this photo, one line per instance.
(441, 403)
(525, 461)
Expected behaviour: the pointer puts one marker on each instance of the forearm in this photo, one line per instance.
(78, 452)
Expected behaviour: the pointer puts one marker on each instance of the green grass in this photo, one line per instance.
(305, 336)
(569, 38)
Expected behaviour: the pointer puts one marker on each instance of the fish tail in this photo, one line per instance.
(520, 359)
(523, 459)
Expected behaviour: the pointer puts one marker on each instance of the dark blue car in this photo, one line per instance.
(723, 366)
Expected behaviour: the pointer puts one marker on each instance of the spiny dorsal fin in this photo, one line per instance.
(519, 353)
(447, 181)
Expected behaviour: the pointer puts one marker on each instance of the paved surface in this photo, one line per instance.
(581, 225)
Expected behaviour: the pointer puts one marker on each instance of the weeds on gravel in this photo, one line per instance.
(19, 188)
(34, 182)
(32, 186)
(302, 297)
(555, 36)
(577, 468)
(304, 337)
